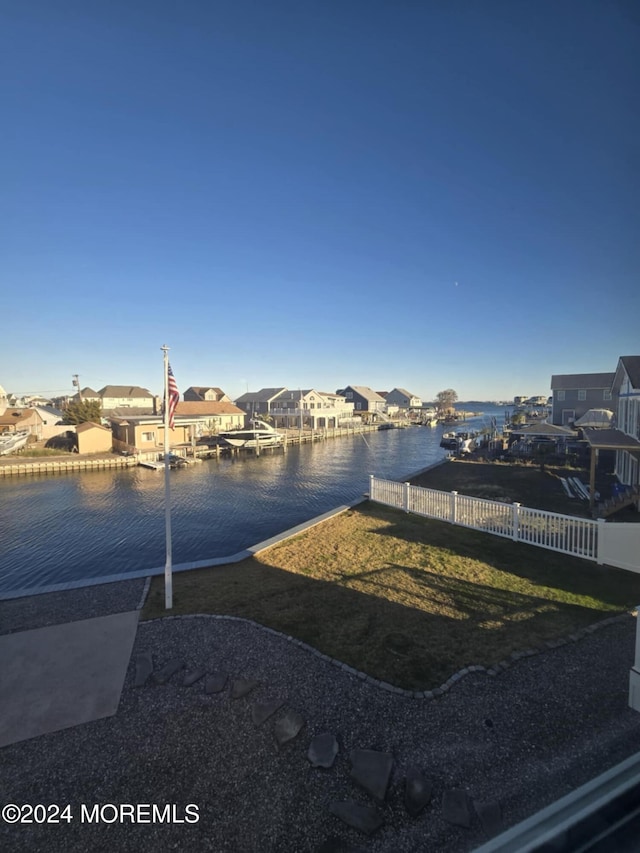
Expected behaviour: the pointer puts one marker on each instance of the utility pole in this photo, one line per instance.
(76, 384)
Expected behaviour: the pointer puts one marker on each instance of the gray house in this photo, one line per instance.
(259, 402)
(575, 393)
(364, 399)
(403, 399)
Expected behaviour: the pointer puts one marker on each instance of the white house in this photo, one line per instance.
(311, 409)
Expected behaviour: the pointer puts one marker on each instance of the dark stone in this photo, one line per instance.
(417, 792)
(372, 770)
(364, 818)
(163, 675)
(455, 807)
(490, 815)
(144, 668)
(288, 727)
(194, 675)
(242, 687)
(261, 711)
(215, 683)
(323, 750)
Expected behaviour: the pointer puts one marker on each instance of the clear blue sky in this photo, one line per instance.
(313, 193)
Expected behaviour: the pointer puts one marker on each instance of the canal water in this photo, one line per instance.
(71, 527)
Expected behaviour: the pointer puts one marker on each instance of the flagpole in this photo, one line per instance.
(168, 580)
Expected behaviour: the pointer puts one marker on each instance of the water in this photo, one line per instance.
(74, 526)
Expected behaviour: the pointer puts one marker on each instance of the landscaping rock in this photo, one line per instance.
(372, 770)
(215, 682)
(288, 727)
(242, 687)
(163, 675)
(417, 792)
(323, 750)
(261, 711)
(191, 676)
(144, 668)
(490, 815)
(364, 818)
(455, 807)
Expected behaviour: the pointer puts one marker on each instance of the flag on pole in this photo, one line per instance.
(173, 396)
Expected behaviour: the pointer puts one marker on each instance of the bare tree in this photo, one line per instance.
(444, 402)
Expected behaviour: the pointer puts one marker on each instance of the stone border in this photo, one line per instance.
(400, 691)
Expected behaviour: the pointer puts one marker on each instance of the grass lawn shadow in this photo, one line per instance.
(405, 599)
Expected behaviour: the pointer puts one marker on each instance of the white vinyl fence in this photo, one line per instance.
(580, 537)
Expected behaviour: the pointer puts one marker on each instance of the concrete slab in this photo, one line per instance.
(63, 675)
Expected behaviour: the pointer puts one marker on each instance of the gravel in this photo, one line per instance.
(525, 737)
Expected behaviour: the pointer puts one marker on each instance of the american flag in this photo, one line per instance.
(174, 397)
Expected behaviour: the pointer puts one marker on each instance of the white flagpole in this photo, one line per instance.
(168, 580)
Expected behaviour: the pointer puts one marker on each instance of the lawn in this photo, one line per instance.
(406, 599)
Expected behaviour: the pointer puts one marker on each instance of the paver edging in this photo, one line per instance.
(400, 691)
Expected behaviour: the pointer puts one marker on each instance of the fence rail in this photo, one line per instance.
(564, 533)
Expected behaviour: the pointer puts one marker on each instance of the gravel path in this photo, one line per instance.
(71, 605)
(524, 737)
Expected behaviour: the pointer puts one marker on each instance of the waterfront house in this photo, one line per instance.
(310, 409)
(93, 438)
(205, 393)
(14, 420)
(574, 394)
(210, 416)
(626, 388)
(364, 399)
(403, 399)
(257, 403)
(145, 433)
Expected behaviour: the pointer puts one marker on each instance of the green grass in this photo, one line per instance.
(406, 599)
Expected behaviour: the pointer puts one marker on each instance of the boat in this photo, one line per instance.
(449, 441)
(260, 434)
(464, 442)
(12, 441)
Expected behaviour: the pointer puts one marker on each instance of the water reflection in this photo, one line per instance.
(74, 526)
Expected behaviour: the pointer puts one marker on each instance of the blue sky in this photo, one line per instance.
(305, 193)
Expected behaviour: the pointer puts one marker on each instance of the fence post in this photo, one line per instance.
(600, 548)
(405, 497)
(371, 498)
(516, 521)
(454, 495)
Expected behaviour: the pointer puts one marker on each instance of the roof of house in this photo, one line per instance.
(367, 393)
(91, 425)
(127, 411)
(573, 381)
(86, 392)
(612, 439)
(543, 428)
(123, 391)
(16, 416)
(264, 395)
(405, 392)
(206, 407)
(202, 389)
(632, 366)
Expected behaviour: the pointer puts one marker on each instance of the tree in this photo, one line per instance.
(81, 411)
(445, 400)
